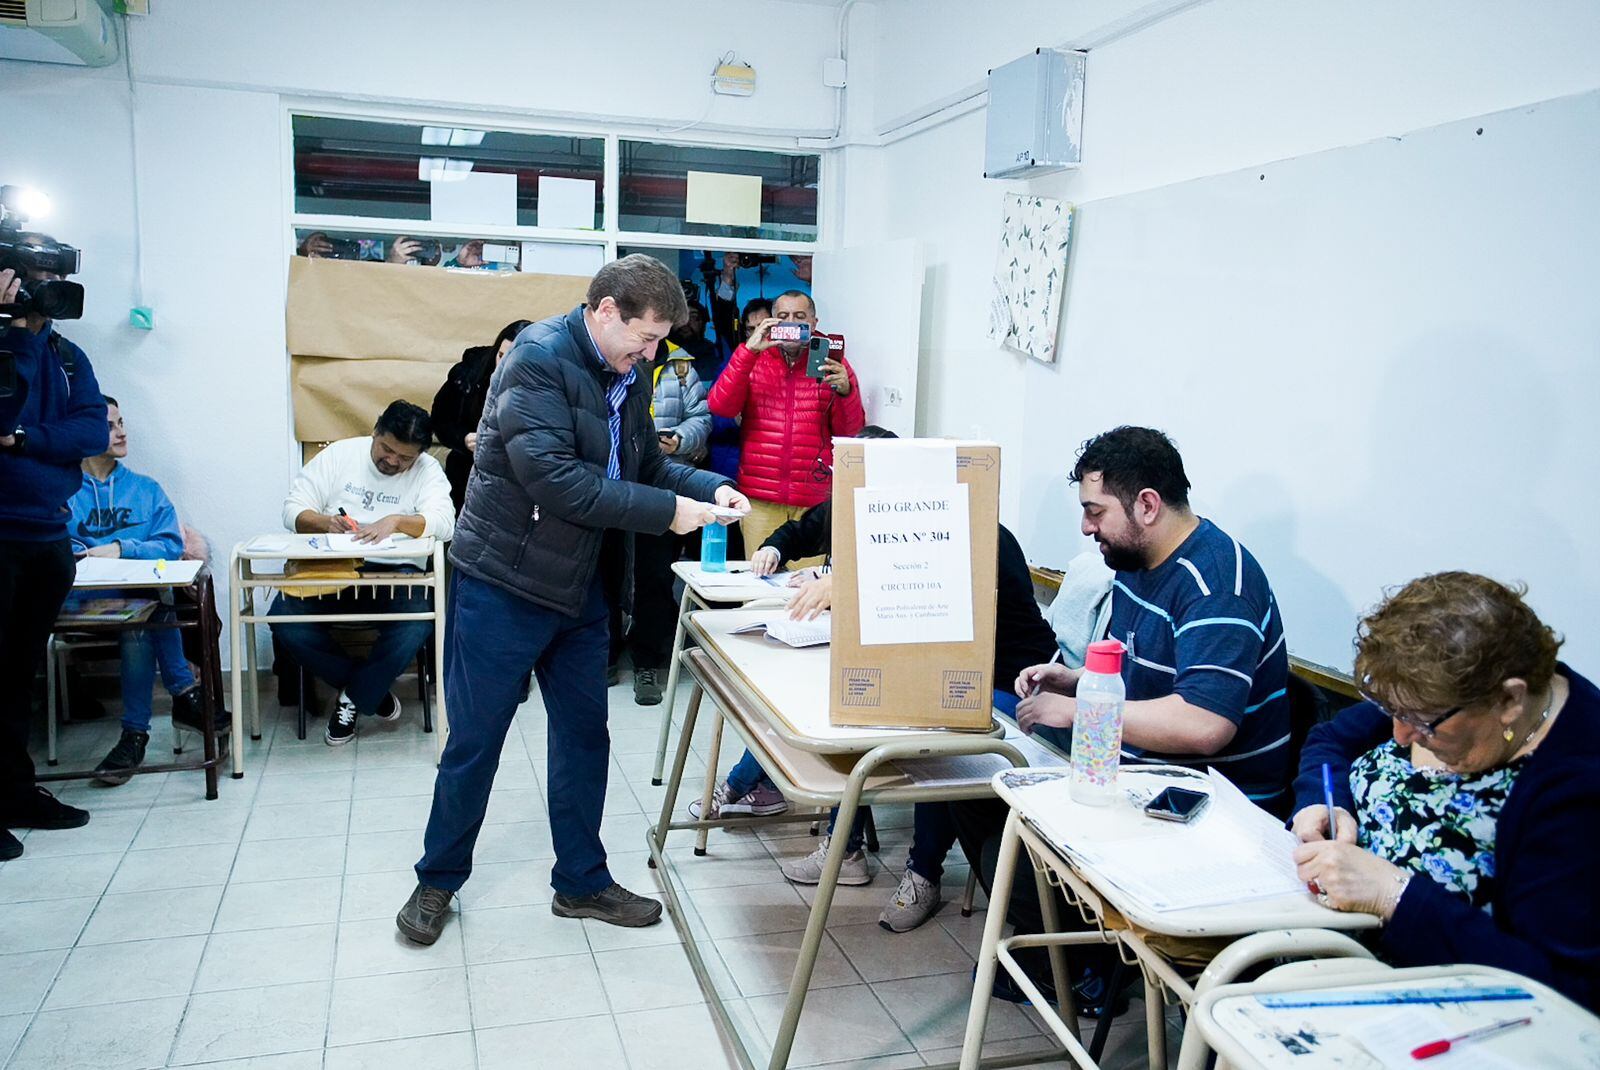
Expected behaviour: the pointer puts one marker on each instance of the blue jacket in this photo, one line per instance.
(64, 417)
(129, 509)
(538, 499)
(1546, 867)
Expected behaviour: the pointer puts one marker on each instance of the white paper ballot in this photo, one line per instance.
(914, 564)
(567, 203)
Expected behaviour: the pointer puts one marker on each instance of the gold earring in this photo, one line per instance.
(1509, 735)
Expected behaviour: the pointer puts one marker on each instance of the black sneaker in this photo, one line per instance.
(614, 906)
(646, 690)
(389, 708)
(188, 711)
(45, 811)
(128, 755)
(422, 918)
(341, 723)
(10, 846)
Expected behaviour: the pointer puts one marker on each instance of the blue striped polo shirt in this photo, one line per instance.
(1203, 624)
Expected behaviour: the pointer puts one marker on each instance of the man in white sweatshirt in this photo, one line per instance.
(372, 487)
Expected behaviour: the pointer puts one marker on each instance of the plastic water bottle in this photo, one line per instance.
(713, 548)
(1097, 728)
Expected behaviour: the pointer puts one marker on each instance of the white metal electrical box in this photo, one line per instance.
(1035, 115)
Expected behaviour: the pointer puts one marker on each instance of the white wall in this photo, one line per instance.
(630, 60)
(206, 393)
(1221, 86)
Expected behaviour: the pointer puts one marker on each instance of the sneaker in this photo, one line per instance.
(118, 766)
(188, 711)
(762, 800)
(10, 846)
(45, 811)
(808, 870)
(1005, 988)
(614, 906)
(389, 709)
(914, 902)
(719, 804)
(1091, 992)
(422, 918)
(646, 691)
(342, 724)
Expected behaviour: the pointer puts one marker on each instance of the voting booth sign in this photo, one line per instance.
(915, 533)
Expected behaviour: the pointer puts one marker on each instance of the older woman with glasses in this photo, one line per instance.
(1466, 788)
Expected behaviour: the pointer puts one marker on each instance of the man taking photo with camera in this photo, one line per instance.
(52, 416)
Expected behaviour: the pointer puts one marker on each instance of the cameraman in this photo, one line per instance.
(52, 419)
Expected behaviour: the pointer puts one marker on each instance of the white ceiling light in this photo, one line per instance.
(442, 169)
(451, 135)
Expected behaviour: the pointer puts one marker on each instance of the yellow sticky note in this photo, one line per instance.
(723, 200)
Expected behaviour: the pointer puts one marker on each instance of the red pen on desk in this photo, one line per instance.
(1439, 1047)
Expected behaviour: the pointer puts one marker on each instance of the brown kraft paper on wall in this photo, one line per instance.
(363, 334)
(915, 685)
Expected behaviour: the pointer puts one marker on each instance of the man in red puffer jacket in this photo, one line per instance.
(789, 420)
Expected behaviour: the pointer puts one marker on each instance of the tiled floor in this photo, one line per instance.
(257, 930)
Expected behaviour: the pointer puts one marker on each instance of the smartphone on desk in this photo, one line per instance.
(1177, 804)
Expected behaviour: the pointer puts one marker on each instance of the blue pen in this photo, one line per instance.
(1327, 797)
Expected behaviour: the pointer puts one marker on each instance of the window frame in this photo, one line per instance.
(609, 236)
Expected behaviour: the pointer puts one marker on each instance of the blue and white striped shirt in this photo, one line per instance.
(614, 398)
(1204, 625)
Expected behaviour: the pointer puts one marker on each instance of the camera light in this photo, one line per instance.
(25, 201)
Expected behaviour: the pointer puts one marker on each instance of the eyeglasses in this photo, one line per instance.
(1425, 725)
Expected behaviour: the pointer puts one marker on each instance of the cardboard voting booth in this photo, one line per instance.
(915, 533)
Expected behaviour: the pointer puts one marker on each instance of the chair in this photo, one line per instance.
(58, 702)
(424, 675)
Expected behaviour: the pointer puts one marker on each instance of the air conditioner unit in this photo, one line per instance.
(79, 32)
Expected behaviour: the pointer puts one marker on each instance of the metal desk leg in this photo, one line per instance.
(710, 786)
(672, 690)
(440, 608)
(678, 762)
(816, 924)
(1155, 1022)
(50, 665)
(236, 592)
(1049, 909)
(255, 681)
(209, 697)
(983, 983)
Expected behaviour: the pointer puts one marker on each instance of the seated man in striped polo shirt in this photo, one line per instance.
(1207, 667)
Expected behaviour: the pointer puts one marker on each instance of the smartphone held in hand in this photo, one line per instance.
(792, 333)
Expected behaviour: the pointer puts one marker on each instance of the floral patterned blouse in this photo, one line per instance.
(1436, 822)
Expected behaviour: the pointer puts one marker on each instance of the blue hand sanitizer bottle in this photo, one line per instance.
(713, 548)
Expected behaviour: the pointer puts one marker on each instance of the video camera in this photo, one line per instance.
(26, 252)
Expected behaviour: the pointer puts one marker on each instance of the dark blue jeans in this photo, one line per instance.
(365, 680)
(494, 640)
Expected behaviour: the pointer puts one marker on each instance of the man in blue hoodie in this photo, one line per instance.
(52, 420)
(118, 512)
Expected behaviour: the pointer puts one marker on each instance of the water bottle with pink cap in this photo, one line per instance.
(1097, 727)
